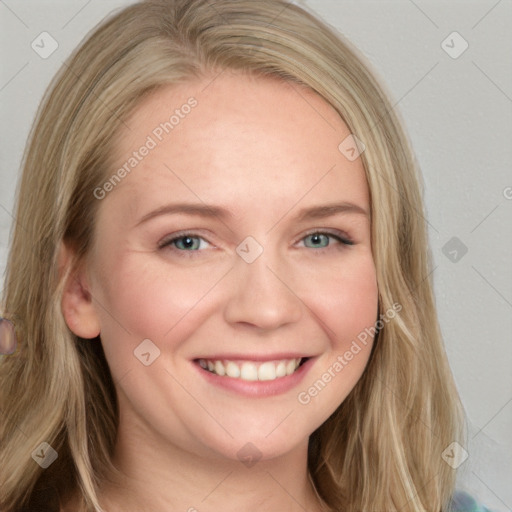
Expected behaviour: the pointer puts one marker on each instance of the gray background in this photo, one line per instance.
(457, 112)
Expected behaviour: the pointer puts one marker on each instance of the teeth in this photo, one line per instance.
(219, 368)
(281, 369)
(250, 371)
(267, 371)
(232, 370)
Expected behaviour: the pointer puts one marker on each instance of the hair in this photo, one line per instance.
(382, 448)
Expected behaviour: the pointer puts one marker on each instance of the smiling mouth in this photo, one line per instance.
(251, 370)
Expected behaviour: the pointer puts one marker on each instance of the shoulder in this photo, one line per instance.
(463, 502)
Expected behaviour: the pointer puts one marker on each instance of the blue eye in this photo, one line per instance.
(187, 242)
(190, 242)
(318, 236)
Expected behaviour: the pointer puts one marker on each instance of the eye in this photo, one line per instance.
(189, 244)
(320, 238)
(183, 242)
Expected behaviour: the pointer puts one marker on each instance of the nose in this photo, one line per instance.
(262, 294)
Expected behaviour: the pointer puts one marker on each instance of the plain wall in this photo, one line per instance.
(457, 110)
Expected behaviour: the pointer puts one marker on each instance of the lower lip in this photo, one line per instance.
(257, 388)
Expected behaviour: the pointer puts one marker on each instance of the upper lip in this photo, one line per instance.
(254, 357)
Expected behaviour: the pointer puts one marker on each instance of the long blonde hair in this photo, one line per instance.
(381, 449)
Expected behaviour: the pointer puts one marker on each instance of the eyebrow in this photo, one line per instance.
(210, 211)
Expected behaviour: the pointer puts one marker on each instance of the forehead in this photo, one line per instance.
(236, 138)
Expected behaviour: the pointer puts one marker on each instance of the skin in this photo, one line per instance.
(262, 149)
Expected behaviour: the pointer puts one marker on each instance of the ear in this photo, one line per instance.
(77, 306)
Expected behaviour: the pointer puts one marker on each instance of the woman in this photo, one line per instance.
(292, 359)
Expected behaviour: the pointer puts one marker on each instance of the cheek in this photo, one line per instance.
(168, 303)
(348, 311)
(343, 297)
(343, 300)
(173, 306)
(139, 301)
(150, 300)
(354, 307)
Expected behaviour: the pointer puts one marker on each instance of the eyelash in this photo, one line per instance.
(166, 243)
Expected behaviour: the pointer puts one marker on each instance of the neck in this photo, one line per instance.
(160, 477)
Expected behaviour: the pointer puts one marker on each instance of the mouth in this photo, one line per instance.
(251, 371)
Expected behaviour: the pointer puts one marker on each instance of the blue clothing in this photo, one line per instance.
(463, 502)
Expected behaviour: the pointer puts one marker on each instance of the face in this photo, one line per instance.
(217, 268)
